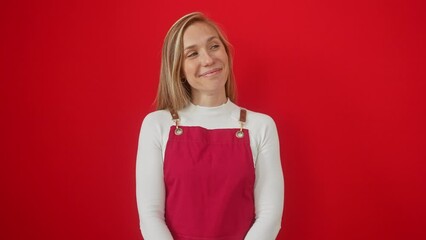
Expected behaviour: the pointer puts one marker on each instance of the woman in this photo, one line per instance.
(206, 168)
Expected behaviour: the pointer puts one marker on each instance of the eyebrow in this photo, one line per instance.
(208, 40)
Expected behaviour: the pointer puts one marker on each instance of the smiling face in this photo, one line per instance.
(205, 63)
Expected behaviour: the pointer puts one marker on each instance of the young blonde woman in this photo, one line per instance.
(206, 169)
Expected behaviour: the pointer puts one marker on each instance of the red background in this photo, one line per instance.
(344, 81)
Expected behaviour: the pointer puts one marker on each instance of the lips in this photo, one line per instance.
(211, 72)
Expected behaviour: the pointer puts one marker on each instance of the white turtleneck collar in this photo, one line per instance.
(225, 114)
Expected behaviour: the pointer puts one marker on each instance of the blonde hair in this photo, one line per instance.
(173, 91)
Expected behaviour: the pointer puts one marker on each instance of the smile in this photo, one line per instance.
(211, 72)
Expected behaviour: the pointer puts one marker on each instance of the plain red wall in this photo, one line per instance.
(344, 81)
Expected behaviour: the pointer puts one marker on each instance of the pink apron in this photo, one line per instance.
(209, 177)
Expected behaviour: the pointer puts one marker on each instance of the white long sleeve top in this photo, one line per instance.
(264, 143)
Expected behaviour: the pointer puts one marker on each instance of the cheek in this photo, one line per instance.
(184, 68)
(224, 58)
(188, 69)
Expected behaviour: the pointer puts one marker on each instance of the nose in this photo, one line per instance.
(206, 59)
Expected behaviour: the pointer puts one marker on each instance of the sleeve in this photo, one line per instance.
(150, 189)
(269, 186)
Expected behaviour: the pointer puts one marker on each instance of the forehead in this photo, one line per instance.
(198, 33)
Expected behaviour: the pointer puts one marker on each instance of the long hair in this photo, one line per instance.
(173, 91)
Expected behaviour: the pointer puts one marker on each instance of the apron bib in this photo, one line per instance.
(209, 177)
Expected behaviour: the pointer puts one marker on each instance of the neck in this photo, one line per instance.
(209, 100)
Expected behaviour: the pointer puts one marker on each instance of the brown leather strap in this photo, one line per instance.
(175, 115)
(243, 114)
(175, 118)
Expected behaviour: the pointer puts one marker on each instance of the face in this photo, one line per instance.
(205, 64)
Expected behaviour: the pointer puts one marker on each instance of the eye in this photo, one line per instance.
(191, 54)
(215, 46)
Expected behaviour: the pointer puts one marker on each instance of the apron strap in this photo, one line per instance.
(243, 115)
(175, 118)
(175, 115)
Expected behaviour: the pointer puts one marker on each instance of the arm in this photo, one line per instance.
(269, 187)
(150, 189)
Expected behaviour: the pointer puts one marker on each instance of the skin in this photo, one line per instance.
(205, 65)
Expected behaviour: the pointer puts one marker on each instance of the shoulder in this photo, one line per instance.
(157, 117)
(263, 131)
(259, 119)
